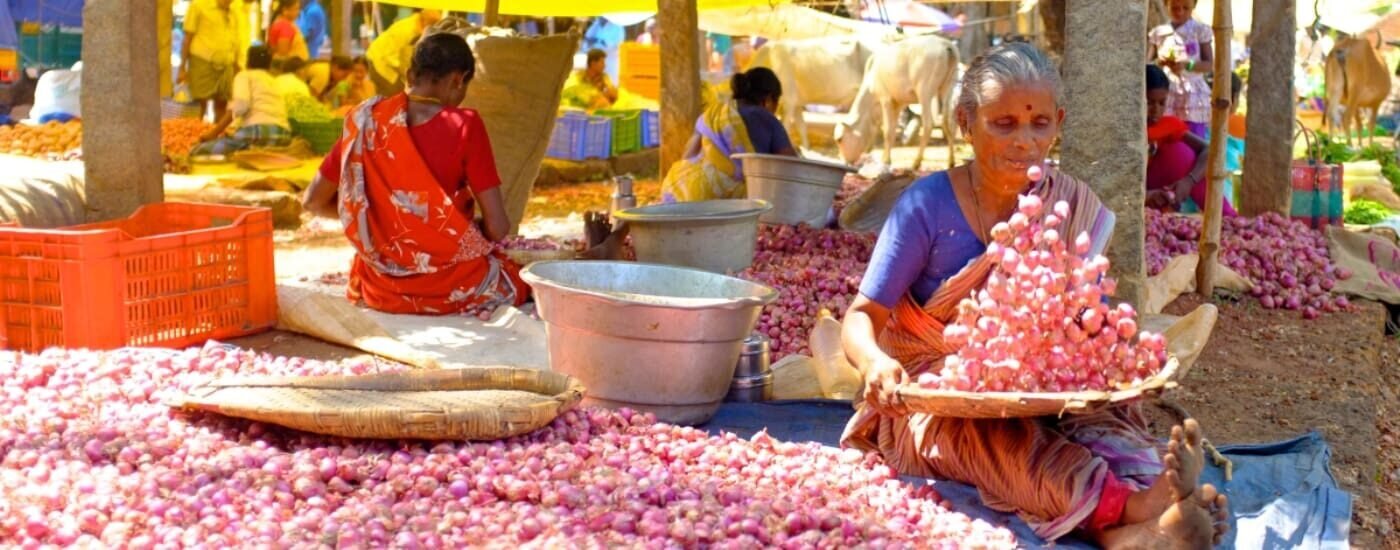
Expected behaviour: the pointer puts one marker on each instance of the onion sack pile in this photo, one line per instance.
(1040, 323)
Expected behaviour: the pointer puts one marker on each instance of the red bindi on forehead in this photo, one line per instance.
(1028, 107)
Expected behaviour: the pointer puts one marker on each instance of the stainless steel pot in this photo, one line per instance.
(800, 190)
(655, 338)
(716, 236)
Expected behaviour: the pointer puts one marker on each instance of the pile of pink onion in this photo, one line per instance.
(1287, 261)
(1040, 324)
(812, 269)
(89, 456)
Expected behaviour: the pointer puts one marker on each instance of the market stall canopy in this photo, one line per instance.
(907, 13)
(570, 8)
(1350, 16)
(784, 22)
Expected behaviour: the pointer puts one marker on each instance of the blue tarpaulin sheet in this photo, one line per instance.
(1282, 495)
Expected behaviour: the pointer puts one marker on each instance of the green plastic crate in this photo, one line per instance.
(627, 130)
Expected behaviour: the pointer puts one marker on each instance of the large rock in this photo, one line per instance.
(1105, 135)
(121, 107)
(1267, 185)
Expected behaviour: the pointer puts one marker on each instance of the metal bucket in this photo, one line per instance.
(655, 338)
(716, 236)
(800, 190)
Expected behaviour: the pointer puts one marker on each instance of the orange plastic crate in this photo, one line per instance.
(171, 275)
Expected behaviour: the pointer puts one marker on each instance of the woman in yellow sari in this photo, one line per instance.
(726, 128)
(1100, 475)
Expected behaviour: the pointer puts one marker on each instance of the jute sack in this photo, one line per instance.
(335, 320)
(1179, 277)
(516, 89)
(1366, 254)
(867, 212)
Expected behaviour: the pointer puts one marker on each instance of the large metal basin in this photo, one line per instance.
(716, 236)
(655, 338)
(800, 190)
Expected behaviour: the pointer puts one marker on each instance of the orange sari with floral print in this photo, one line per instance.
(417, 251)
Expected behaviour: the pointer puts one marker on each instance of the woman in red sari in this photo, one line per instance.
(406, 179)
(1100, 475)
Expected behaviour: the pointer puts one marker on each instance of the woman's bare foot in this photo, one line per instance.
(1218, 505)
(1181, 471)
(1189, 524)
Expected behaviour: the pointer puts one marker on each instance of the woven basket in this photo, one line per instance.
(321, 134)
(476, 403)
(964, 404)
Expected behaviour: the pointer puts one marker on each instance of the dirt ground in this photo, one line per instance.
(1268, 375)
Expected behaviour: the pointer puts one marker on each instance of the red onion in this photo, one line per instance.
(1288, 262)
(122, 470)
(1039, 323)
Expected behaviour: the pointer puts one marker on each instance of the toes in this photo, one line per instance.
(1193, 432)
(1177, 435)
(1207, 494)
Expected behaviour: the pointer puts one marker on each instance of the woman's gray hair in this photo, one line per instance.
(1006, 65)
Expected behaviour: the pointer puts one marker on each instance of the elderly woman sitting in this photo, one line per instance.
(1100, 475)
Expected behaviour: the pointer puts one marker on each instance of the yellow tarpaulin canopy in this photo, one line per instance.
(570, 8)
(1351, 16)
(785, 21)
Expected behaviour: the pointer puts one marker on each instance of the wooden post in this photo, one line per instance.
(1104, 141)
(342, 12)
(679, 22)
(493, 12)
(120, 98)
(1209, 248)
(1268, 159)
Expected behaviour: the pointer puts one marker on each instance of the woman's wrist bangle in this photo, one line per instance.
(1190, 65)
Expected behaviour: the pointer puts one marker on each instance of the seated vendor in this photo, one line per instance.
(354, 89)
(406, 180)
(747, 124)
(257, 110)
(591, 88)
(291, 78)
(1176, 163)
(1098, 475)
(324, 76)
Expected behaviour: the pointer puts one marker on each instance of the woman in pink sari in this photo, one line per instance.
(1100, 475)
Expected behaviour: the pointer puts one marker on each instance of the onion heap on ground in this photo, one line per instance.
(1287, 261)
(1040, 324)
(89, 457)
(812, 269)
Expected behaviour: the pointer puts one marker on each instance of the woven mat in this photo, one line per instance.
(477, 403)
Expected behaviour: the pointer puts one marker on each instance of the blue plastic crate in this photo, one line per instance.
(578, 136)
(651, 129)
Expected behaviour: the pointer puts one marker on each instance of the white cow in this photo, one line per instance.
(915, 70)
(814, 71)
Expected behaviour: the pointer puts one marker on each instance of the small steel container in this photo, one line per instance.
(755, 359)
(751, 389)
(622, 196)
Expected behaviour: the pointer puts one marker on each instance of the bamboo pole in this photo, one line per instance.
(493, 12)
(1215, 168)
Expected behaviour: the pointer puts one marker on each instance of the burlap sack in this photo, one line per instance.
(1179, 277)
(867, 212)
(1378, 192)
(1186, 336)
(795, 377)
(1366, 254)
(516, 89)
(336, 320)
